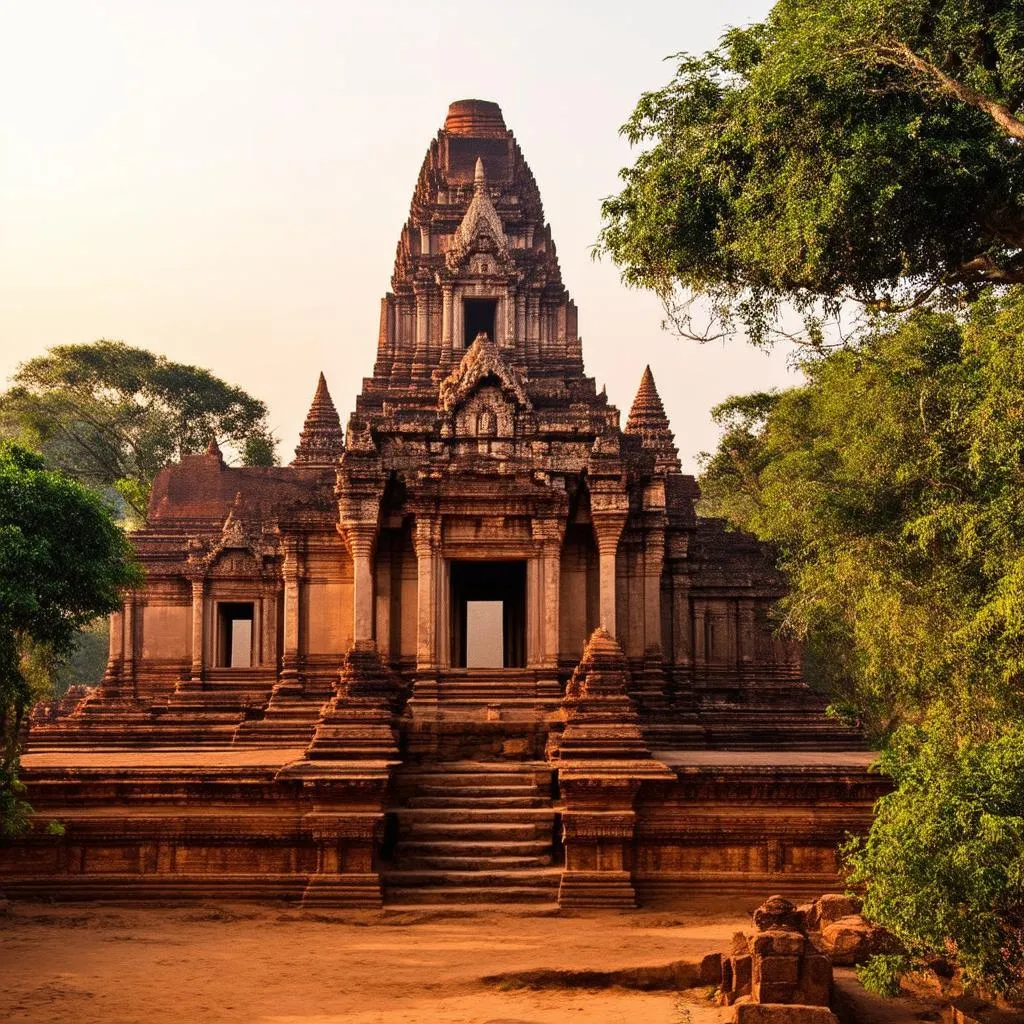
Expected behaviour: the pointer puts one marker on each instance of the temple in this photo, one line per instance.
(475, 646)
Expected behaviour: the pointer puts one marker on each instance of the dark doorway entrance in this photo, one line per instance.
(485, 584)
(478, 315)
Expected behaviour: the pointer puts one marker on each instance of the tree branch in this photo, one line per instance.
(903, 56)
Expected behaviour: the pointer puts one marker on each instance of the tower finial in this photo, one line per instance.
(322, 440)
(479, 178)
(648, 420)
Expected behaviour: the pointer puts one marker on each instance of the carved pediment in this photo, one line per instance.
(487, 413)
(481, 230)
(481, 363)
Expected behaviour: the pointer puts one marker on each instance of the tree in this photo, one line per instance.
(891, 485)
(63, 561)
(848, 150)
(943, 864)
(111, 416)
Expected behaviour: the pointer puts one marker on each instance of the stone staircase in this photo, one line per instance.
(474, 833)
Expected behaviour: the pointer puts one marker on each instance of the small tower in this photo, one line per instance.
(322, 440)
(647, 420)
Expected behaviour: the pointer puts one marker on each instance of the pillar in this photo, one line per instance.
(198, 637)
(362, 540)
(292, 571)
(520, 328)
(115, 655)
(422, 327)
(654, 561)
(608, 530)
(447, 324)
(426, 587)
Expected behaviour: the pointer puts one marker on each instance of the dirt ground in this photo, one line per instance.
(267, 965)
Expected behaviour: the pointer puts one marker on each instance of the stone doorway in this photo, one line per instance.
(484, 584)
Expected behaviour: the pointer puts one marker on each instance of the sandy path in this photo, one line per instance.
(260, 964)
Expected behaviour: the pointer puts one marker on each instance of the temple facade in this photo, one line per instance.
(477, 645)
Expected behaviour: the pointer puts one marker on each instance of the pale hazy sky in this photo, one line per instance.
(224, 182)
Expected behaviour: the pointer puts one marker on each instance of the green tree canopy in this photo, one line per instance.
(111, 415)
(63, 561)
(892, 484)
(862, 150)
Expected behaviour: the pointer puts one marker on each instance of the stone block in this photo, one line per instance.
(831, 907)
(766, 1013)
(851, 940)
(776, 912)
(815, 984)
(740, 944)
(742, 973)
(776, 969)
(711, 970)
(778, 943)
(773, 992)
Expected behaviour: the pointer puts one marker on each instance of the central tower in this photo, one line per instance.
(475, 257)
(482, 467)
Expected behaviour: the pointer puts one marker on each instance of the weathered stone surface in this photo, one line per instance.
(776, 913)
(851, 940)
(814, 987)
(762, 1013)
(773, 970)
(778, 942)
(711, 969)
(829, 908)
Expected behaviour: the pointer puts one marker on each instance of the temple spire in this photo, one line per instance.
(322, 440)
(647, 420)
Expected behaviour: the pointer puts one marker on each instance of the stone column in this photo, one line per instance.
(428, 581)
(115, 656)
(447, 325)
(198, 632)
(292, 572)
(520, 330)
(547, 574)
(421, 355)
(362, 540)
(608, 530)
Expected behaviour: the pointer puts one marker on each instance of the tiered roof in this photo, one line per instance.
(647, 419)
(322, 440)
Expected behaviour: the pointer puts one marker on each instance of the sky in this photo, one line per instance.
(224, 182)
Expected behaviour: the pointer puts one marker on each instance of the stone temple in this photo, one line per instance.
(476, 646)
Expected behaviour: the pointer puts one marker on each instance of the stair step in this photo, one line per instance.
(474, 848)
(470, 803)
(432, 830)
(443, 906)
(445, 896)
(484, 865)
(479, 815)
(487, 780)
(546, 876)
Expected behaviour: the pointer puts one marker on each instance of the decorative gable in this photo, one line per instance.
(481, 230)
(481, 362)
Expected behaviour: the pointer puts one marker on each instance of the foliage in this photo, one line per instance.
(111, 416)
(883, 972)
(944, 860)
(87, 662)
(891, 485)
(862, 150)
(63, 561)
